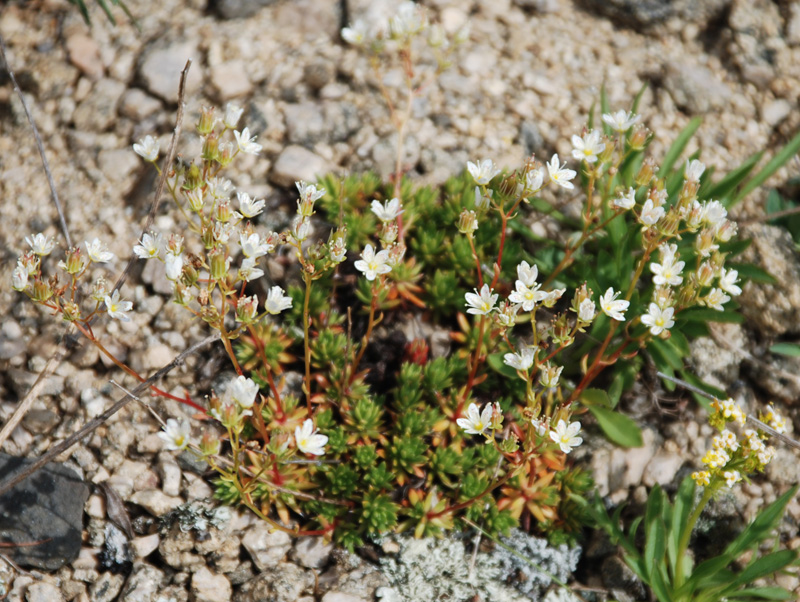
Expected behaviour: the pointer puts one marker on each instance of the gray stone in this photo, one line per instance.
(531, 138)
(118, 164)
(210, 587)
(146, 545)
(341, 597)
(161, 68)
(265, 548)
(636, 13)
(775, 111)
(43, 592)
(305, 123)
(155, 501)
(137, 104)
(231, 80)
(282, 583)
(238, 9)
(84, 53)
(319, 73)
(144, 584)
(40, 422)
(99, 110)
(755, 30)
(312, 552)
(46, 507)
(695, 88)
(664, 466)
(296, 163)
(107, 587)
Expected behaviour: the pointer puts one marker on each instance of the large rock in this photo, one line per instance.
(43, 513)
(161, 66)
(296, 163)
(638, 13)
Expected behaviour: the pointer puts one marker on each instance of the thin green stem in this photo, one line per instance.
(683, 544)
(306, 340)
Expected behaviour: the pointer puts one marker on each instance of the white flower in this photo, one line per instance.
(481, 303)
(248, 270)
(588, 147)
(308, 192)
(482, 171)
(308, 440)
(116, 307)
(40, 244)
(566, 436)
(356, 33)
(277, 301)
(372, 264)
(731, 477)
(651, 213)
(252, 245)
(98, 252)
(244, 391)
(714, 213)
(522, 360)
(541, 426)
(715, 299)
(195, 198)
(220, 188)
(232, 115)
(559, 174)
(658, 319)
(175, 435)
(534, 179)
(249, 207)
(727, 282)
(245, 143)
(694, 169)
(147, 148)
(667, 272)
(476, 422)
(149, 247)
(174, 265)
(19, 278)
(626, 200)
(586, 310)
(612, 307)
(549, 375)
(527, 273)
(526, 296)
(483, 201)
(388, 211)
(620, 121)
(549, 299)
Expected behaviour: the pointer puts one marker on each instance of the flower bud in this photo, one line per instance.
(388, 232)
(246, 309)
(74, 262)
(639, 138)
(209, 444)
(225, 153)
(205, 124)
(100, 290)
(467, 222)
(175, 244)
(207, 236)
(30, 262)
(336, 246)
(223, 211)
(41, 291)
(181, 294)
(71, 311)
(646, 173)
(704, 243)
(219, 264)
(396, 253)
(726, 230)
(209, 314)
(211, 148)
(705, 274)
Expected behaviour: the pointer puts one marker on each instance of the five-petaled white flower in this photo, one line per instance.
(19, 278)
(98, 252)
(549, 375)
(249, 207)
(731, 477)
(277, 301)
(651, 213)
(476, 422)
(116, 307)
(40, 244)
(727, 282)
(620, 121)
(522, 360)
(587, 148)
(658, 319)
(559, 174)
(147, 148)
(526, 296)
(694, 169)
(173, 264)
(308, 440)
(149, 247)
(244, 391)
(481, 303)
(248, 270)
(245, 143)
(482, 171)
(534, 178)
(626, 200)
(668, 272)
(527, 273)
(356, 33)
(566, 436)
(715, 299)
(220, 188)
(612, 306)
(232, 115)
(252, 245)
(373, 264)
(175, 435)
(388, 211)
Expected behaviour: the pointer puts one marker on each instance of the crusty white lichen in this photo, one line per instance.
(439, 569)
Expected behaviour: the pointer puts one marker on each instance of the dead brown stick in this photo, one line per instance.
(39, 144)
(93, 424)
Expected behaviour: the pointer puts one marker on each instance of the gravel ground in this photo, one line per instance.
(524, 83)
